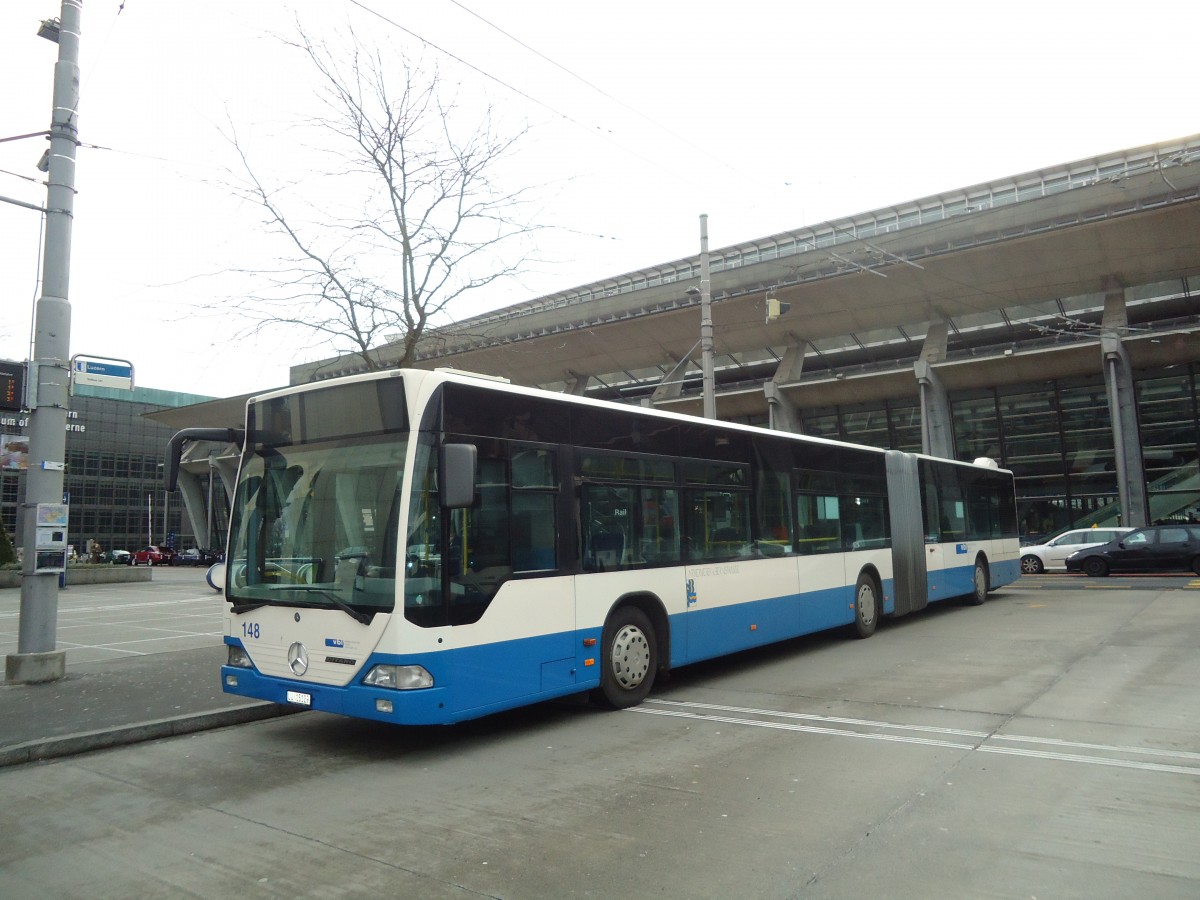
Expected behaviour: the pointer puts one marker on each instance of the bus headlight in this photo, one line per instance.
(401, 678)
(239, 657)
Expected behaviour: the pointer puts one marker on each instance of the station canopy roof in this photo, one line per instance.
(1019, 256)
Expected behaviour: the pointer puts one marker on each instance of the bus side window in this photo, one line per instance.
(477, 554)
(719, 524)
(865, 523)
(818, 524)
(607, 521)
(771, 506)
(534, 532)
(657, 526)
(534, 510)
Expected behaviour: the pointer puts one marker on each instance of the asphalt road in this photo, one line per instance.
(1046, 744)
(177, 611)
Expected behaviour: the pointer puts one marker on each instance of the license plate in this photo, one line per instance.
(299, 698)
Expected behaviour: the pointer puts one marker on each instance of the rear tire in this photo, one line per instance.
(979, 584)
(628, 660)
(866, 606)
(1031, 565)
(1095, 567)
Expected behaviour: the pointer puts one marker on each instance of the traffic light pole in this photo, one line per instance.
(37, 658)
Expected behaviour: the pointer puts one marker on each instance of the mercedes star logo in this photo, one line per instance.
(298, 658)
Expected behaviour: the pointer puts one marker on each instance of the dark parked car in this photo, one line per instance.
(1157, 548)
(197, 556)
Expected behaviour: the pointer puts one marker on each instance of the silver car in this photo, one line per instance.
(1052, 555)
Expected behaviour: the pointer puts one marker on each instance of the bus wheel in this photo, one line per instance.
(629, 660)
(866, 606)
(979, 584)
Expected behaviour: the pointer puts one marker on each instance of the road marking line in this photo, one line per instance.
(811, 717)
(66, 610)
(808, 729)
(984, 742)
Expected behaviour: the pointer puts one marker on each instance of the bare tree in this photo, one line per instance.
(432, 225)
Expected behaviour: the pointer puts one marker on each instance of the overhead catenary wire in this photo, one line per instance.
(657, 123)
(546, 106)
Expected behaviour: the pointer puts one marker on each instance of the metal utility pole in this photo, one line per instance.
(36, 658)
(706, 326)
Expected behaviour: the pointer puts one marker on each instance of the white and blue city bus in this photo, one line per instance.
(427, 547)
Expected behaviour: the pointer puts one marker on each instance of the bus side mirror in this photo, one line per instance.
(456, 475)
(175, 447)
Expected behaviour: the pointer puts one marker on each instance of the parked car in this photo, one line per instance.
(197, 556)
(118, 557)
(154, 556)
(1051, 556)
(1157, 548)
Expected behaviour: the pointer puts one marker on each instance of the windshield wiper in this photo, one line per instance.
(240, 608)
(357, 615)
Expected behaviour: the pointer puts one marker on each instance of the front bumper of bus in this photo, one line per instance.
(421, 706)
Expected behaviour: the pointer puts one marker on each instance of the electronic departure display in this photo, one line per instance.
(12, 385)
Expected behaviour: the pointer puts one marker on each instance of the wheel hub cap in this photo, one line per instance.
(630, 657)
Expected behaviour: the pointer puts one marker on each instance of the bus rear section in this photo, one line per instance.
(964, 543)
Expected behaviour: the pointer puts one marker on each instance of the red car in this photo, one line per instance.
(153, 556)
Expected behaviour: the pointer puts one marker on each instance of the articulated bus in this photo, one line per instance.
(425, 547)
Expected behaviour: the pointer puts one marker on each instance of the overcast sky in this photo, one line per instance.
(767, 116)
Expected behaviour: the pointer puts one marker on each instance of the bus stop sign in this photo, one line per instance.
(99, 372)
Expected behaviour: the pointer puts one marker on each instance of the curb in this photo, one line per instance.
(104, 738)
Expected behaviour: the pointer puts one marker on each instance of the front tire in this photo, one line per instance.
(628, 660)
(1095, 567)
(1031, 565)
(866, 606)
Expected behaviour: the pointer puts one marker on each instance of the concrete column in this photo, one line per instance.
(783, 413)
(223, 460)
(577, 384)
(671, 385)
(226, 467)
(937, 429)
(193, 503)
(1122, 408)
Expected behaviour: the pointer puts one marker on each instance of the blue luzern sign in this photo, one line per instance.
(100, 372)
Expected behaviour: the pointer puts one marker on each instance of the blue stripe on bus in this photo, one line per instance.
(509, 674)
(959, 581)
(727, 629)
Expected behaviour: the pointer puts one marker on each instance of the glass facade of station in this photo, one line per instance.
(1056, 437)
(114, 476)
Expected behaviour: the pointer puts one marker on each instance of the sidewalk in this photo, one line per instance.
(131, 695)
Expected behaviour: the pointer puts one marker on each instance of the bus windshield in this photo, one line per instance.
(316, 525)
